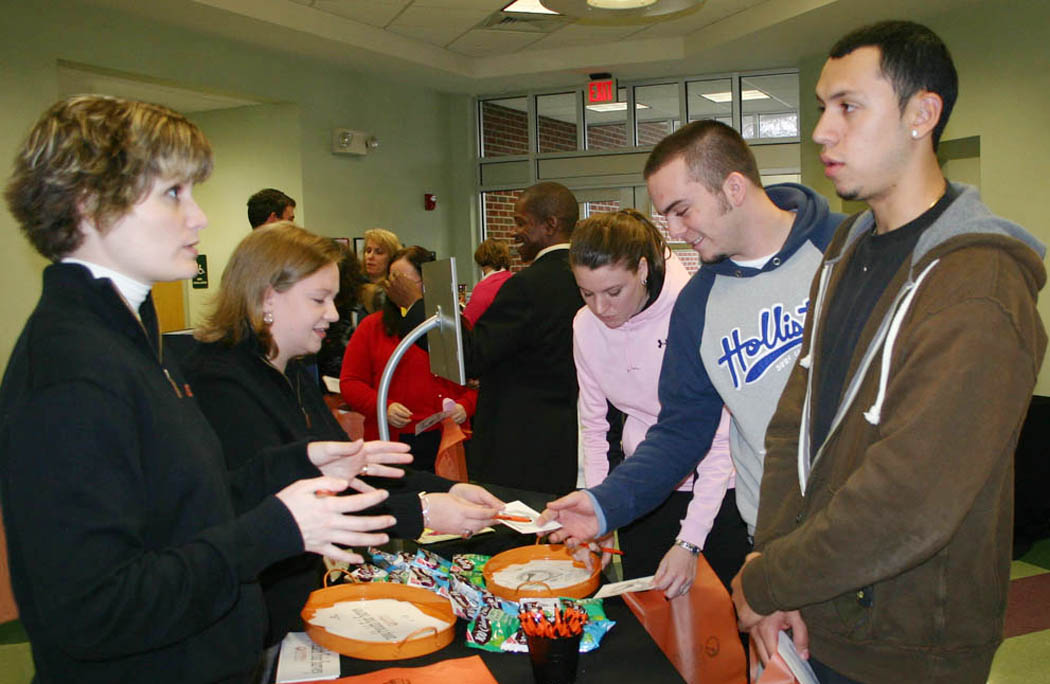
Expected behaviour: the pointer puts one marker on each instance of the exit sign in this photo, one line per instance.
(602, 91)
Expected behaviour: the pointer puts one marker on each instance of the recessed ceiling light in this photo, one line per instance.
(528, 7)
(615, 107)
(726, 96)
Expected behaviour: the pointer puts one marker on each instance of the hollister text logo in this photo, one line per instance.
(780, 331)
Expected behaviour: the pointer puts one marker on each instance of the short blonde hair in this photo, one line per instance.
(385, 239)
(94, 157)
(276, 255)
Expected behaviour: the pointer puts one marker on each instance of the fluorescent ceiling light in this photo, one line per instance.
(615, 107)
(726, 96)
(620, 4)
(528, 7)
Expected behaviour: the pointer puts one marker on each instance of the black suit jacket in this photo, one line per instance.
(525, 428)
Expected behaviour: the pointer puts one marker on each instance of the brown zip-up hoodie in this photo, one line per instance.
(895, 541)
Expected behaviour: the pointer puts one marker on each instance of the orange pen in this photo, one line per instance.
(513, 518)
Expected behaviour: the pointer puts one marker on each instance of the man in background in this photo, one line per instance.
(525, 428)
(270, 205)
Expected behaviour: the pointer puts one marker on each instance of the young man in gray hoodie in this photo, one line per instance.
(885, 525)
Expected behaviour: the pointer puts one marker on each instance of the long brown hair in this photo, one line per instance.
(621, 237)
(277, 255)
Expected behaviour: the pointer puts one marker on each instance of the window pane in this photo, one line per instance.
(710, 100)
(656, 112)
(499, 220)
(599, 206)
(689, 258)
(607, 123)
(773, 101)
(504, 127)
(778, 125)
(556, 122)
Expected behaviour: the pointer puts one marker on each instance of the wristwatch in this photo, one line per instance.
(691, 548)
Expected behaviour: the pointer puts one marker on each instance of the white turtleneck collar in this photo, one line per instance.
(133, 292)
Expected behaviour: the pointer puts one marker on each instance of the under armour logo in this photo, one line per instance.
(660, 344)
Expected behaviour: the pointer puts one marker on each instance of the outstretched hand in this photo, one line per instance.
(347, 460)
(323, 521)
(450, 514)
(575, 512)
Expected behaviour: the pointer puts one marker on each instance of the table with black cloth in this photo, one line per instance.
(626, 654)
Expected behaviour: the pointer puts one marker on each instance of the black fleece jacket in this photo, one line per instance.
(253, 406)
(130, 558)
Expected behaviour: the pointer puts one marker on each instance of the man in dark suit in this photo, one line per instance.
(521, 351)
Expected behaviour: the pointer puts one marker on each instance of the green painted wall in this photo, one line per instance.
(1004, 98)
(424, 134)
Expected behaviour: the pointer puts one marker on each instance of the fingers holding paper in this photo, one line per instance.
(766, 634)
(450, 514)
(575, 512)
(676, 572)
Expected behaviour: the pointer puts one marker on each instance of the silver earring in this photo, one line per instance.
(914, 134)
(645, 281)
(268, 318)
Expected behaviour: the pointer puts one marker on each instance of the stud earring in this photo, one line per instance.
(268, 318)
(914, 134)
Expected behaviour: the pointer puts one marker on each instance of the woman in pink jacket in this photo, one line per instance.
(629, 280)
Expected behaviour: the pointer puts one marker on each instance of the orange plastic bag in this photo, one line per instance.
(451, 461)
(471, 669)
(697, 632)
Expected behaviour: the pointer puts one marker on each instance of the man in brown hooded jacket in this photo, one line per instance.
(884, 530)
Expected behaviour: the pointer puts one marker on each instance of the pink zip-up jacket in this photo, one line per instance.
(622, 365)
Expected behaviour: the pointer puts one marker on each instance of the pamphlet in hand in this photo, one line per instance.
(617, 588)
(518, 509)
(799, 667)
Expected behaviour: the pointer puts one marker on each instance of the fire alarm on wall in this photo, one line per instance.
(430, 201)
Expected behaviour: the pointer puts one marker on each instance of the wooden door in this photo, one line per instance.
(170, 302)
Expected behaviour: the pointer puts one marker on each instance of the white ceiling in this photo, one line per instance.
(444, 42)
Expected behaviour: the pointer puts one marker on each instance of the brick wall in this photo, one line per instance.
(499, 220)
(555, 135)
(612, 136)
(689, 258)
(652, 132)
(504, 131)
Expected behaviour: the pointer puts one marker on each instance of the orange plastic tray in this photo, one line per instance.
(427, 641)
(524, 554)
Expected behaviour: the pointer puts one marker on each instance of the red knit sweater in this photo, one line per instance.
(412, 385)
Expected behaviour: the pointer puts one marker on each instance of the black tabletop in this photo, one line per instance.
(627, 653)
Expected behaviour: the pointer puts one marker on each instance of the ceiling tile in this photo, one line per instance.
(434, 35)
(465, 19)
(372, 12)
(484, 43)
(579, 34)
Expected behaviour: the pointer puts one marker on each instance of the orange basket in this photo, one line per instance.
(418, 643)
(524, 554)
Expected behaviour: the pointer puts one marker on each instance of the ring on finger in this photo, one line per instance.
(364, 470)
(467, 533)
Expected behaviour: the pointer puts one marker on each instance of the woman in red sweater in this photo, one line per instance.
(415, 393)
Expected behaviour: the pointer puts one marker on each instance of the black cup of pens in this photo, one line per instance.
(554, 643)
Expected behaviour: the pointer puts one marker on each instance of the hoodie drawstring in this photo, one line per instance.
(874, 414)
